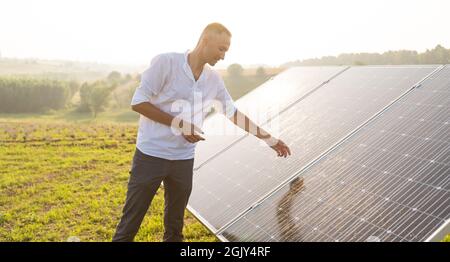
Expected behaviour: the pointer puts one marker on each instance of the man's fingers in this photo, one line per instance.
(193, 138)
(282, 150)
(285, 148)
(188, 138)
(199, 137)
(277, 149)
(285, 151)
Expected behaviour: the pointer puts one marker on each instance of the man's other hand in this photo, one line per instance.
(279, 146)
(191, 132)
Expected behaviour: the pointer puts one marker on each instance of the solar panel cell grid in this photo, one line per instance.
(389, 182)
(248, 170)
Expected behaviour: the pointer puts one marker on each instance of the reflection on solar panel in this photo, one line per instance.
(389, 181)
(234, 180)
(261, 104)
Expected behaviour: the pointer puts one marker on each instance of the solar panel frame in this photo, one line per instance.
(445, 227)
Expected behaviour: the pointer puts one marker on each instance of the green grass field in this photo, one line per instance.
(59, 180)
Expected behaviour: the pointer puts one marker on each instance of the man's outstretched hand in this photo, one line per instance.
(279, 146)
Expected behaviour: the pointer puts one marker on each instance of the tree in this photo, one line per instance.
(85, 94)
(440, 55)
(114, 77)
(127, 78)
(235, 71)
(100, 97)
(73, 87)
(94, 97)
(261, 73)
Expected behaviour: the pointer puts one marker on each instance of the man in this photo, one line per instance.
(166, 141)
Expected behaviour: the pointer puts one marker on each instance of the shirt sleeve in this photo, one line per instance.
(227, 103)
(152, 80)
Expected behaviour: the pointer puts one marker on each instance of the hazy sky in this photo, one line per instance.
(268, 32)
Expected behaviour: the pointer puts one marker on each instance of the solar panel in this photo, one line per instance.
(233, 181)
(260, 105)
(390, 181)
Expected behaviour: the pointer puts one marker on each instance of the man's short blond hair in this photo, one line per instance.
(216, 28)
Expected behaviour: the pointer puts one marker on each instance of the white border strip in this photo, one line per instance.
(202, 220)
(440, 233)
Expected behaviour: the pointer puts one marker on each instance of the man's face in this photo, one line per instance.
(216, 47)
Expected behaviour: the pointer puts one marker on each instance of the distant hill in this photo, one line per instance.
(61, 69)
(438, 55)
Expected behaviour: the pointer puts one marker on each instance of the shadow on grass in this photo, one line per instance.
(75, 116)
(121, 116)
(72, 115)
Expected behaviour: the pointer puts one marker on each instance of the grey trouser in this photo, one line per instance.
(146, 175)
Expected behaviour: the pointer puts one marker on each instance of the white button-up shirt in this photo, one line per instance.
(169, 84)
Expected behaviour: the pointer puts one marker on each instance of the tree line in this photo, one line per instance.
(22, 94)
(437, 55)
(238, 83)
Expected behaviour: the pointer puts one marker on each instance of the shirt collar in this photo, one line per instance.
(186, 67)
(188, 70)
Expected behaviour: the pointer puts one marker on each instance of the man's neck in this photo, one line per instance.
(195, 62)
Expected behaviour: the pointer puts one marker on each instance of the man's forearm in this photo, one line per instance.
(242, 121)
(245, 123)
(152, 112)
